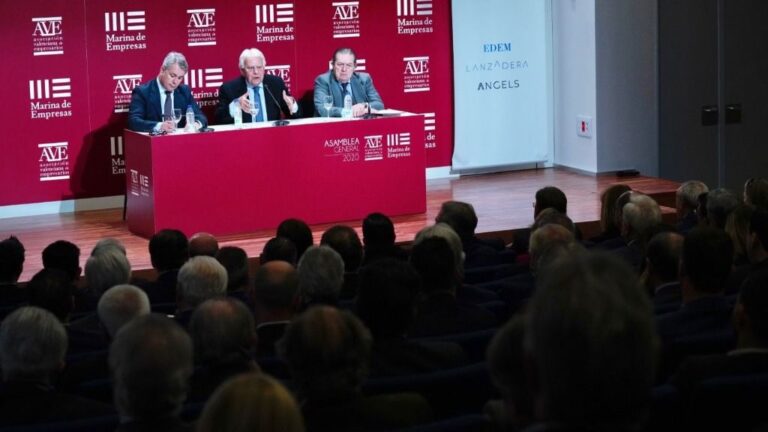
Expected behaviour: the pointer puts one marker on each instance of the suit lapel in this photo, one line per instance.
(335, 90)
(155, 103)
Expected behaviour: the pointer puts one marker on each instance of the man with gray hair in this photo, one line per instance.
(151, 363)
(639, 216)
(720, 203)
(104, 270)
(119, 305)
(200, 279)
(321, 276)
(153, 103)
(33, 344)
(686, 203)
(258, 96)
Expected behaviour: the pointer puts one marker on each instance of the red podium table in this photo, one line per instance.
(241, 180)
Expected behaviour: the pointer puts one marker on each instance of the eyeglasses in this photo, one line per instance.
(344, 65)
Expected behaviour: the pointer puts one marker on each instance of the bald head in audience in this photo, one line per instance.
(275, 291)
(119, 305)
(203, 244)
(544, 240)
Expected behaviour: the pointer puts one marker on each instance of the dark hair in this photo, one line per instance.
(707, 258)
(344, 50)
(378, 231)
(52, 290)
(63, 255)
(758, 224)
(168, 249)
(279, 249)
(754, 299)
(460, 216)
(663, 253)
(433, 259)
(235, 260)
(298, 232)
(551, 196)
(344, 240)
(387, 297)
(11, 259)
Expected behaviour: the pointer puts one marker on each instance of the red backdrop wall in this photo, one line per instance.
(70, 68)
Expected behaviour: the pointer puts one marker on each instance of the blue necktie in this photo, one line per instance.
(257, 100)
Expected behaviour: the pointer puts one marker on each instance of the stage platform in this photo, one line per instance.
(503, 203)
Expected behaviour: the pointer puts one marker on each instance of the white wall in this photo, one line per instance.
(573, 39)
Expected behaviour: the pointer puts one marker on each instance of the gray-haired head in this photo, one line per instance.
(32, 344)
(321, 275)
(639, 215)
(108, 243)
(444, 231)
(119, 305)
(250, 53)
(107, 269)
(199, 279)
(687, 196)
(720, 203)
(177, 58)
(151, 363)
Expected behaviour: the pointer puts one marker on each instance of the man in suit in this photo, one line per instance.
(343, 79)
(149, 102)
(255, 88)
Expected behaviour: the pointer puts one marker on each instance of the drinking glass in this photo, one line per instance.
(254, 110)
(328, 104)
(177, 116)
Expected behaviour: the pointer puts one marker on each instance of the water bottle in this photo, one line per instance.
(238, 116)
(190, 126)
(346, 112)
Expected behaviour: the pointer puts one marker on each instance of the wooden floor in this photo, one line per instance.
(503, 202)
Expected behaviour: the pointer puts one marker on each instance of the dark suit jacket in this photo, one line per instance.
(273, 98)
(667, 293)
(711, 314)
(268, 334)
(28, 403)
(696, 369)
(366, 413)
(399, 356)
(441, 314)
(145, 110)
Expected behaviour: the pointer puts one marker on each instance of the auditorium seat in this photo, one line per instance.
(97, 424)
(467, 423)
(734, 403)
(473, 343)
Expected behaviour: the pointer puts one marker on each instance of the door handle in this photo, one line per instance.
(709, 115)
(733, 114)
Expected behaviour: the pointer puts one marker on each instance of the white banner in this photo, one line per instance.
(502, 77)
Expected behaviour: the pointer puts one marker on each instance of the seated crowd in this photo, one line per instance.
(621, 330)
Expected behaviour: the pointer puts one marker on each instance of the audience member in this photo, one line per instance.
(462, 218)
(687, 203)
(279, 249)
(33, 344)
(639, 216)
(546, 197)
(327, 352)
(168, 251)
(379, 239)
(756, 193)
(297, 231)
(63, 255)
(609, 229)
(224, 337)
(121, 304)
(203, 244)
(506, 364)
(235, 261)
(704, 269)
(439, 312)
(757, 240)
(11, 266)
(107, 243)
(590, 346)
(275, 299)
(52, 290)
(750, 320)
(151, 363)
(251, 403)
(661, 274)
(102, 271)
(321, 276)
(344, 240)
(737, 226)
(720, 203)
(386, 304)
(201, 278)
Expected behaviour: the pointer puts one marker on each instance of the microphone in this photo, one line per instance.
(278, 122)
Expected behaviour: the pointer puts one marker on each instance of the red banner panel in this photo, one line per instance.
(76, 63)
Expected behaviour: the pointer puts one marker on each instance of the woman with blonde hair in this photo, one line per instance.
(251, 402)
